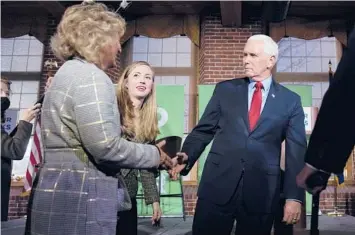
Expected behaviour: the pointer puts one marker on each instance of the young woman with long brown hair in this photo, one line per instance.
(138, 108)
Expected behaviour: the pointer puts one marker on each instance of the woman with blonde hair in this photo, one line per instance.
(138, 108)
(76, 189)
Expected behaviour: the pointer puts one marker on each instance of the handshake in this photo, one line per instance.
(173, 164)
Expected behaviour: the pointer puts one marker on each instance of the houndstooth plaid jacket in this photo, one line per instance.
(76, 190)
(148, 180)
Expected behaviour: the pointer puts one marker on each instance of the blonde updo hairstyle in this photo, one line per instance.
(87, 30)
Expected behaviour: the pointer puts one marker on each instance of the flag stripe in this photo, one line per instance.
(34, 150)
(35, 157)
(38, 138)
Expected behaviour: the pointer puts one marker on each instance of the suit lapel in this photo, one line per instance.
(240, 102)
(270, 105)
(244, 100)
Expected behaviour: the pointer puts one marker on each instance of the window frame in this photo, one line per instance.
(319, 77)
(28, 55)
(307, 76)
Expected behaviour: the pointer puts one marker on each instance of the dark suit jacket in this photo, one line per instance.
(13, 147)
(236, 149)
(333, 136)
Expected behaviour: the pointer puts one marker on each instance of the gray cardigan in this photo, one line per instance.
(75, 191)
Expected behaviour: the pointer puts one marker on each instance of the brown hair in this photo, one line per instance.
(146, 129)
(6, 81)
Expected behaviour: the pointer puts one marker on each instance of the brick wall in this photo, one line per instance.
(345, 196)
(221, 51)
(48, 54)
(17, 207)
(115, 72)
(17, 203)
(345, 200)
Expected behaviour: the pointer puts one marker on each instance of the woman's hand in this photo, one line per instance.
(156, 213)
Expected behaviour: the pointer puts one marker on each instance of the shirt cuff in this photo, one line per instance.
(312, 167)
(159, 154)
(294, 200)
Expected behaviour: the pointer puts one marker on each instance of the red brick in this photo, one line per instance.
(218, 42)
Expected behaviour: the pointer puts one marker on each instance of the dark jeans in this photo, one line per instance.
(127, 221)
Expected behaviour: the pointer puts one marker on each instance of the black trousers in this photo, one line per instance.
(127, 221)
(281, 228)
(212, 219)
(5, 190)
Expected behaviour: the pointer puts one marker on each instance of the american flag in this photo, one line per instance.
(35, 157)
(37, 150)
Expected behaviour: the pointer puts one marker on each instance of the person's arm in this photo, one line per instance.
(333, 136)
(203, 133)
(295, 147)
(14, 146)
(149, 185)
(97, 117)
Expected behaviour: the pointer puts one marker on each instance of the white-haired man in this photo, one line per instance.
(248, 118)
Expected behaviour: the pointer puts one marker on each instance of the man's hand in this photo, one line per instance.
(165, 162)
(302, 178)
(180, 163)
(292, 212)
(29, 114)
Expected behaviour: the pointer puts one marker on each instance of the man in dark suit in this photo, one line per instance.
(333, 136)
(248, 119)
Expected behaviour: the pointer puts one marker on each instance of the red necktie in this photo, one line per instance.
(255, 107)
